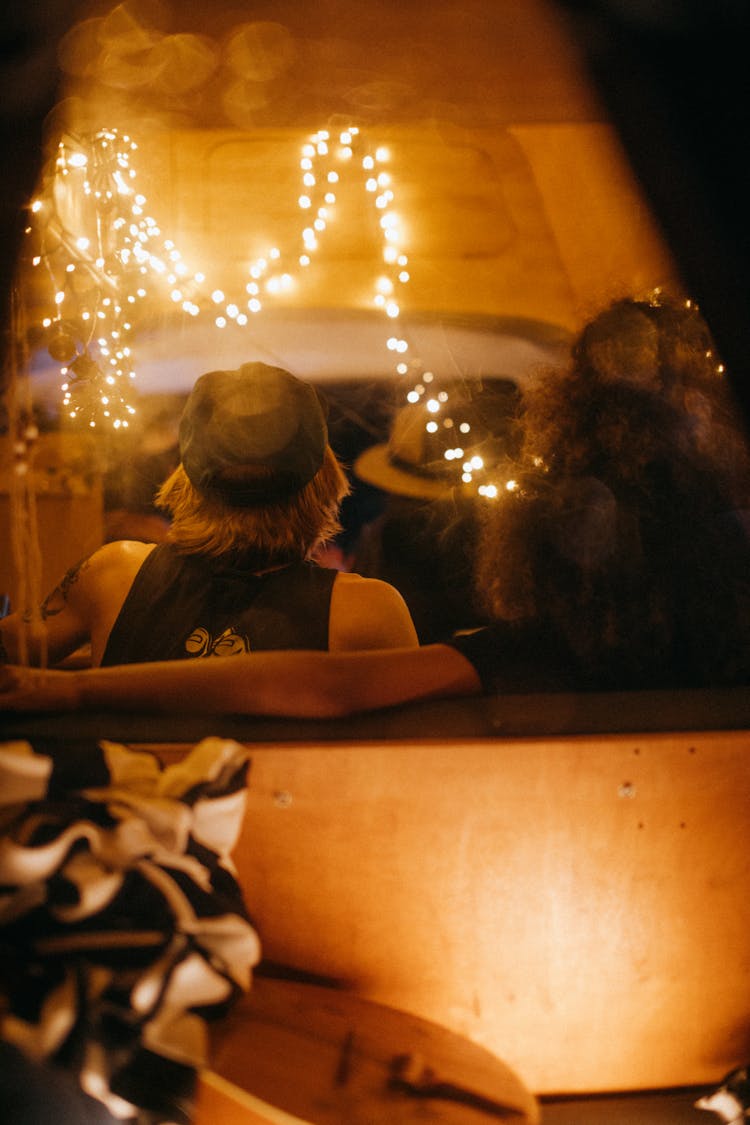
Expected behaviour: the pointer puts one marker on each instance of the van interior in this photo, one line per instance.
(390, 198)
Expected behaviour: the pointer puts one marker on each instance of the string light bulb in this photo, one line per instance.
(117, 259)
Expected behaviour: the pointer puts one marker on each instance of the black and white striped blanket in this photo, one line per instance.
(122, 925)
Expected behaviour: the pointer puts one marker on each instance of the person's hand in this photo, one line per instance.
(36, 689)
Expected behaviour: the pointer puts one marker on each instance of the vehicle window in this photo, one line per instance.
(413, 207)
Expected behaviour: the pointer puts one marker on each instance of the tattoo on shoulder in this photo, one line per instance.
(56, 601)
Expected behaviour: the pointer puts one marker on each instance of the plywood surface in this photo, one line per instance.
(574, 905)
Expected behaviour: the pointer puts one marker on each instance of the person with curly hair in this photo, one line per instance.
(626, 540)
(619, 558)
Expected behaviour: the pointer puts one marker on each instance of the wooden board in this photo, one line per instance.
(574, 903)
(292, 1052)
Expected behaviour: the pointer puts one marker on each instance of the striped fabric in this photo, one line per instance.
(122, 925)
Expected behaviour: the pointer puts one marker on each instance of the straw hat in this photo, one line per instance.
(413, 462)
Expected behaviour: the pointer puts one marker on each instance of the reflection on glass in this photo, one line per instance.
(408, 207)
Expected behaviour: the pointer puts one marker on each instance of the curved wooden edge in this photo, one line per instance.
(220, 1102)
(292, 1052)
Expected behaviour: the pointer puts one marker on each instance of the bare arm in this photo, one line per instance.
(59, 630)
(295, 684)
(82, 607)
(367, 613)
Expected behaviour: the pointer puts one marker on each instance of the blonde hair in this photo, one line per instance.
(204, 523)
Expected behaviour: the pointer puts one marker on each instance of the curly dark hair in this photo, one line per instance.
(625, 534)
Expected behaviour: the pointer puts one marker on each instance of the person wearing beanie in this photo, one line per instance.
(620, 561)
(257, 492)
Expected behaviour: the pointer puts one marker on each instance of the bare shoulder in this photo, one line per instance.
(128, 553)
(113, 562)
(368, 613)
(354, 586)
(81, 608)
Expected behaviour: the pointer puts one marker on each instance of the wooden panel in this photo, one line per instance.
(474, 221)
(538, 220)
(575, 905)
(606, 235)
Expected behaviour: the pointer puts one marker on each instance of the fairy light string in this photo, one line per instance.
(103, 255)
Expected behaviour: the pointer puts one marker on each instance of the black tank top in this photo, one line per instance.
(186, 606)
